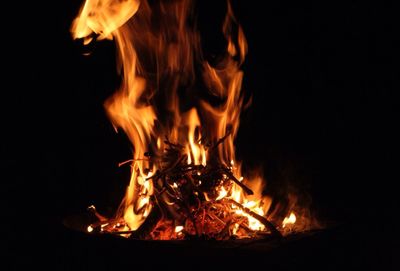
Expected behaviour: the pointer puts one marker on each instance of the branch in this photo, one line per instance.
(260, 218)
(247, 190)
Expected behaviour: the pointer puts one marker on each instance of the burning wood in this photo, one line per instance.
(196, 196)
(189, 184)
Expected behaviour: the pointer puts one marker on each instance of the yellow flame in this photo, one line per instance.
(289, 220)
(195, 151)
(222, 193)
(257, 203)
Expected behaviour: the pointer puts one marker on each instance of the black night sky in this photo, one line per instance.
(323, 119)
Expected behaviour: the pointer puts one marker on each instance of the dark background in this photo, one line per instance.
(322, 119)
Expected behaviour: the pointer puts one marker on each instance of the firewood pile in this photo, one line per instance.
(192, 201)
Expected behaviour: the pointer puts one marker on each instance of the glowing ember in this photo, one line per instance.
(183, 170)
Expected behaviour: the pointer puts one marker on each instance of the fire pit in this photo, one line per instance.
(181, 113)
(103, 251)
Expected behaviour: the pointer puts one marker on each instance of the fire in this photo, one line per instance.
(184, 169)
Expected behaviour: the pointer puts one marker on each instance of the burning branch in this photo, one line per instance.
(260, 218)
(247, 190)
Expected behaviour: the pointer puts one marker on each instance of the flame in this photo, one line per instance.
(158, 48)
(102, 17)
(195, 152)
(222, 193)
(289, 220)
(257, 203)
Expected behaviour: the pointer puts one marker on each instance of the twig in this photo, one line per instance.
(247, 190)
(222, 139)
(178, 146)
